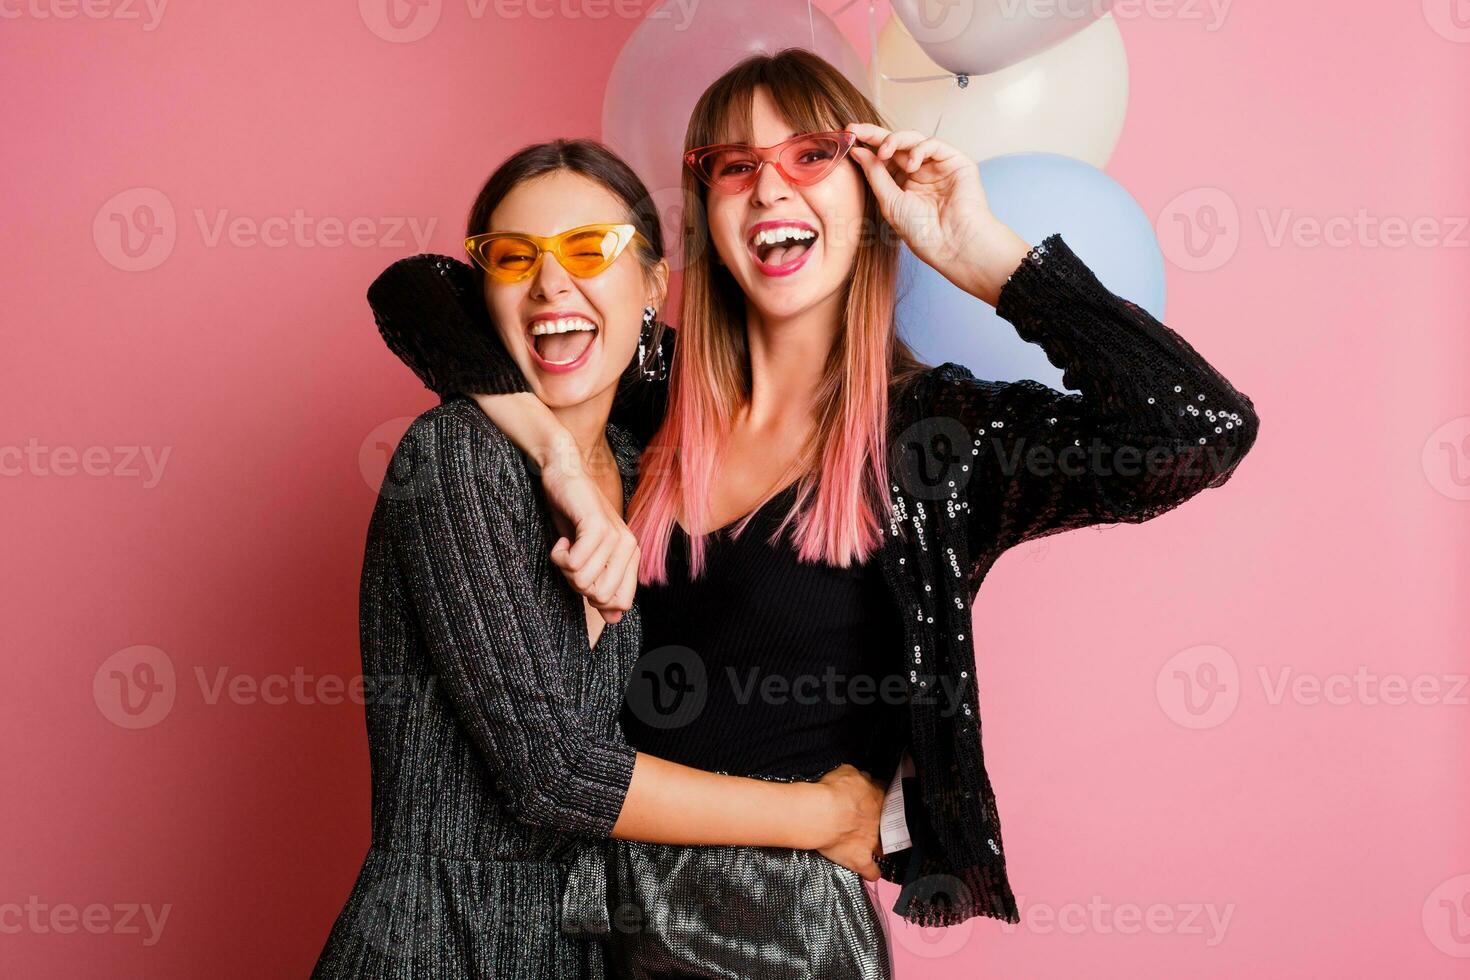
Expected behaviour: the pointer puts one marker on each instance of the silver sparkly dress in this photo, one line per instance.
(497, 765)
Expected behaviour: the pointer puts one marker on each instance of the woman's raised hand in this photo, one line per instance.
(936, 202)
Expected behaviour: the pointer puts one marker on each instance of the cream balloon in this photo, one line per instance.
(1071, 99)
(976, 37)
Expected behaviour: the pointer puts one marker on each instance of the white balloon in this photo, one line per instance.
(1070, 99)
(976, 37)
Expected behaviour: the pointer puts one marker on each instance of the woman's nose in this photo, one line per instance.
(551, 279)
(770, 186)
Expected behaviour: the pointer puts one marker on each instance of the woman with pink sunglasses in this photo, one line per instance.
(815, 503)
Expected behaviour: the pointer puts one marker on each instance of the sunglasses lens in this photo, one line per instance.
(808, 160)
(727, 168)
(508, 258)
(589, 252)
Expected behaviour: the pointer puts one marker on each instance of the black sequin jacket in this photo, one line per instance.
(976, 467)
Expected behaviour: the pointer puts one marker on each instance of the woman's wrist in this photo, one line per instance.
(534, 429)
(818, 819)
(987, 259)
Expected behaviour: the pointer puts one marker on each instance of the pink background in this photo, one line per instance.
(1332, 835)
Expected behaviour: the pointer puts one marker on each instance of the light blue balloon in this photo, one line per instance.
(1036, 194)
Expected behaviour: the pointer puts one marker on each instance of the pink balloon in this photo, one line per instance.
(679, 49)
(977, 37)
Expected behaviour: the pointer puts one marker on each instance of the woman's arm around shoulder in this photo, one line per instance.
(453, 518)
(459, 538)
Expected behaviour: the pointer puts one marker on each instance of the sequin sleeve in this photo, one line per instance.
(431, 316)
(496, 657)
(1151, 424)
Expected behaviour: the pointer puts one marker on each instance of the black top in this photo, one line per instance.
(766, 664)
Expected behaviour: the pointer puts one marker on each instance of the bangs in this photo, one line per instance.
(727, 115)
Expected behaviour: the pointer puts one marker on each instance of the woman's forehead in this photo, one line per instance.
(553, 203)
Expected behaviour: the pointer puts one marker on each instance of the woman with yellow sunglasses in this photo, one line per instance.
(498, 767)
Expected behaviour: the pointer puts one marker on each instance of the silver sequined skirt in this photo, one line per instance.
(737, 913)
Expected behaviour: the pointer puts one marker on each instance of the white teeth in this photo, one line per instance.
(770, 236)
(564, 325)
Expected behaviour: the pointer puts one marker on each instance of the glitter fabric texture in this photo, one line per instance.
(497, 764)
(976, 467)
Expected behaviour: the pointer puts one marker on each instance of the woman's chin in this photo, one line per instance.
(565, 391)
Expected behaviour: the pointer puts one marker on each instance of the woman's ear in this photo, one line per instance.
(660, 288)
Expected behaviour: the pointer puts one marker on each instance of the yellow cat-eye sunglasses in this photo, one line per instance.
(585, 251)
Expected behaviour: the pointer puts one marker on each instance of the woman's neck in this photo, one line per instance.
(788, 359)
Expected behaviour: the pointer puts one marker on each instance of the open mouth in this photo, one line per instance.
(562, 343)
(780, 248)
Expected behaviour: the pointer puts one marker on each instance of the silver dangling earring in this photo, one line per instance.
(658, 370)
